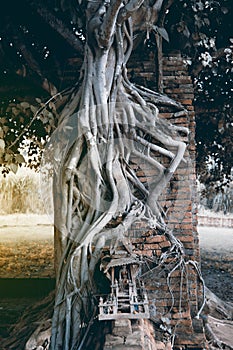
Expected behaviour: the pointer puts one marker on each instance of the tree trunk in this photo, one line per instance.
(107, 123)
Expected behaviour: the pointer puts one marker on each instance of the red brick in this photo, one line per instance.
(155, 239)
(165, 244)
(181, 315)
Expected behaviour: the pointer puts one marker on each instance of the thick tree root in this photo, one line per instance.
(218, 326)
(35, 319)
(107, 124)
(218, 322)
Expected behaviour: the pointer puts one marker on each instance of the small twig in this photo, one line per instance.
(194, 263)
(168, 283)
(33, 119)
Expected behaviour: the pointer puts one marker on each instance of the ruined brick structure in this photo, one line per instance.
(178, 304)
(178, 310)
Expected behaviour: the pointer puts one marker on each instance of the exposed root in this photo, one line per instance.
(97, 193)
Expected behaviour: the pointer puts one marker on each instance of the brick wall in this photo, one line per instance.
(176, 311)
(134, 334)
(180, 201)
(178, 85)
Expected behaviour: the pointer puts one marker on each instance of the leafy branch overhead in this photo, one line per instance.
(24, 126)
(38, 41)
(161, 31)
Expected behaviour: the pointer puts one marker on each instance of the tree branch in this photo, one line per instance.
(33, 63)
(60, 27)
(109, 21)
(128, 9)
(159, 99)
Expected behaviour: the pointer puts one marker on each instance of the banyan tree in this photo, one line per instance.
(121, 258)
(107, 125)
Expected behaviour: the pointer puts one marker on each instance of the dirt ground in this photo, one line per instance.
(26, 251)
(26, 246)
(216, 246)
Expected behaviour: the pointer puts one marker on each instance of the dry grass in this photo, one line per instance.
(20, 193)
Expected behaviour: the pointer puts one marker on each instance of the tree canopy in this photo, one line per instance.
(38, 38)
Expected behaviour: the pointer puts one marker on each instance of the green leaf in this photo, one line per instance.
(1, 157)
(3, 120)
(52, 106)
(44, 118)
(50, 115)
(224, 10)
(15, 111)
(2, 144)
(25, 105)
(1, 132)
(19, 158)
(8, 157)
(14, 167)
(164, 34)
(33, 109)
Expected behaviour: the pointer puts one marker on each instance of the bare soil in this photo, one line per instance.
(216, 246)
(26, 246)
(26, 252)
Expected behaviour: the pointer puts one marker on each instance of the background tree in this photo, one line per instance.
(203, 31)
(207, 40)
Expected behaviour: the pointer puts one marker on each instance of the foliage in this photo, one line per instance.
(33, 62)
(214, 88)
(24, 129)
(217, 197)
(203, 31)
